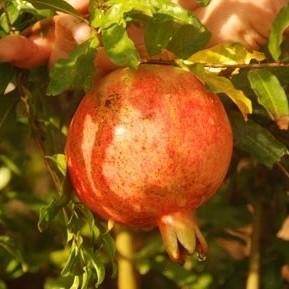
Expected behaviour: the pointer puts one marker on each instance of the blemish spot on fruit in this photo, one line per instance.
(111, 100)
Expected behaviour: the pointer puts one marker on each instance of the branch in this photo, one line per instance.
(253, 280)
(250, 66)
(39, 137)
(224, 66)
(283, 169)
(127, 278)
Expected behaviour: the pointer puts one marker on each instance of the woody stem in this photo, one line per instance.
(253, 280)
(127, 277)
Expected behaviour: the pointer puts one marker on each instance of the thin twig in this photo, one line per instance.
(39, 140)
(253, 279)
(224, 66)
(7, 112)
(249, 66)
(159, 61)
(283, 169)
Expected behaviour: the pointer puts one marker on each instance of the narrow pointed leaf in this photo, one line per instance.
(257, 141)
(98, 267)
(71, 262)
(12, 247)
(76, 283)
(279, 26)
(60, 161)
(226, 54)
(48, 213)
(271, 95)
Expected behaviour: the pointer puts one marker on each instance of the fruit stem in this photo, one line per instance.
(127, 277)
(253, 280)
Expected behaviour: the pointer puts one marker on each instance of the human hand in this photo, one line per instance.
(243, 21)
(49, 44)
(240, 21)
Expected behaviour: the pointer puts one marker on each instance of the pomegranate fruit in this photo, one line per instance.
(147, 146)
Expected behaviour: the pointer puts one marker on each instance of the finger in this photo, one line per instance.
(24, 52)
(261, 19)
(81, 32)
(69, 31)
(251, 39)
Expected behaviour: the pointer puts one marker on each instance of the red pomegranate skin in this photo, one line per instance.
(148, 143)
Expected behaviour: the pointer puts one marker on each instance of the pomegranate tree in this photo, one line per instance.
(148, 146)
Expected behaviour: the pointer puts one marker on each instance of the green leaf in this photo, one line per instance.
(7, 73)
(48, 213)
(71, 262)
(158, 32)
(98, 267)
(88, 219)
(109, 246)
(86, 276)
(75, 72)
(257, 141)
(187, 40)
(279, 26)
(56, 5)
(120, 47)
(119, 13)
(60, 161)
(10, 246)
(2, 285)
(5, 177)
(228, 54)
(219, 84)
(114, 15)
(271, 95)
(222, 215)
(13, 12)
(180, 15)
(10, 164)
(95, 14)
(76, 283)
